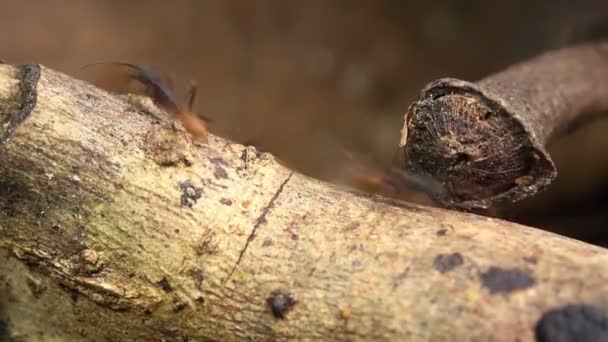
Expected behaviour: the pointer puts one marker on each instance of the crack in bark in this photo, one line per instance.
(258, 222)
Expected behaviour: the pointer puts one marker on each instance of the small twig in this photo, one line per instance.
(486, 141)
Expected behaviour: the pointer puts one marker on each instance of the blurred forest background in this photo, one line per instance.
(324, 84)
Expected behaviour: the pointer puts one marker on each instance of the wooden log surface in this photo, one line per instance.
(115, 226)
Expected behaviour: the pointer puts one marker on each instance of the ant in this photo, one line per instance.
(118, 76)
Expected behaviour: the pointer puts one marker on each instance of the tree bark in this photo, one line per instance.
(114, 225)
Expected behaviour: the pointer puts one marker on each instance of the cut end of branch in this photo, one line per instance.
(481, 152)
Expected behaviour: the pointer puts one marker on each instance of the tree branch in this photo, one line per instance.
(114, 225)
(486, 141)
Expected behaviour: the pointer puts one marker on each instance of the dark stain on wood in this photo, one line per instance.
(503, 280)
(5, 333)
(179, 306)
(575, 322)
(14, 194)
(281, 302)
(220, 172)
(164, 285)
(447, 262)
(190, 194)
(441, 232)
(226, 201)
(217, 161)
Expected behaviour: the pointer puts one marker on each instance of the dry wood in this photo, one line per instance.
(486, 141)
(114, 226)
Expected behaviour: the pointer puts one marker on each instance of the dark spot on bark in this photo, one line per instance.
(179, 306)
(531, 259)
(147, 312)
(281, 302)
(501, 280)
(40, 216)
(295, 237)
(220, 173)
(14, 194)
(200, 300)
(462, 158)
(267, 242)
(217, 161)
(190, 194)
(442, 232)
(5, 334)
(198, 275)
(74, 296)
(71, 292)
(36, 287)
(176, 231)
(581, 323)
(164, 285)
(226, 201)
(447, 262)
(211, 183)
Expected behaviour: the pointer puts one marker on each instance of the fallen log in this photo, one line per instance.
(114, 225)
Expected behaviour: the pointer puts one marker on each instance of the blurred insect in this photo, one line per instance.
(144, 80)
(353, 170)
(392, 182)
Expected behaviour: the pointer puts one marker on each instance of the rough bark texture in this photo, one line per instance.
(114, 226)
